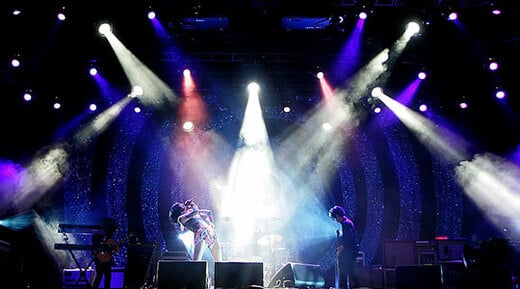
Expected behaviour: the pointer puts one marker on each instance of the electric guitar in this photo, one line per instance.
(109, 247)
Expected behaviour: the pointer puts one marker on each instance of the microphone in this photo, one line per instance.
(188, 202)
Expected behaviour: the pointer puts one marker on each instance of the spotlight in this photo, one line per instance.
(412, 28)
(104, 29)
(27, 96)
(500, 94)
(92, 71)
(186, 72)
(319, 75)
(188, 126)
(15, 62)
(421, 75)
(452, 16)
(61, 16)
(377, 92)
(493, 65)
(92, 107)
(151, 15)
(423, 107)
(253, 87)
(136, 91)
(326, 126)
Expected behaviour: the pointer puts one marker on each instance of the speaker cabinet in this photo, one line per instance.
(239, 274)
(298, 275)
(414, 277)
(182, 274)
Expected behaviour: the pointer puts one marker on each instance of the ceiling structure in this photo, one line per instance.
(231, 42)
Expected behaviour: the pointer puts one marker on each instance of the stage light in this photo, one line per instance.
(319, 75)
(61, 16)
(151, 15)
(92, 107)
(92, 71)
(493, 65)
(421, 75)
(377, 92)
(500, 94)
(186, 72)
(136, 91)
(363, 15)
(253, 87)
(413, 28)
(377, 109)
(188, 126)
(137, 109)
(463, 105)
(286, 109)
(15, 62)
(56, 105)
(105, 28)
(326, 126)
(452, 16)
(423, 107)
(27, 96)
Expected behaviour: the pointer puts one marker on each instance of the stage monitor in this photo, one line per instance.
(299, 276)
(239, 275)
(182, 274)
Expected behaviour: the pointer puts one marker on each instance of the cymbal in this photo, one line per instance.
(269, 240)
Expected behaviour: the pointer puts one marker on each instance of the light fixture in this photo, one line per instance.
(295, 23)
(219, 23)
(105, 28)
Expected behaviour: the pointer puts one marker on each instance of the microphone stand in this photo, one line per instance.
(336, 281)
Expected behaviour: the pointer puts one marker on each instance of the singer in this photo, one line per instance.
(187, 215)
(347, 249)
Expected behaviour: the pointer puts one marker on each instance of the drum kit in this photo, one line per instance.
(265, 245)
(274, 254)
(269, 249)
(270, 241)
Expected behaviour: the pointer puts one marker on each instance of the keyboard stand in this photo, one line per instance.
(82, 271)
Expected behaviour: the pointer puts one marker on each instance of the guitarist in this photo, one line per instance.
(347, 249)
(106, 247)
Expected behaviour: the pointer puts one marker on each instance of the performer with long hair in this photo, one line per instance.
(200, 221)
